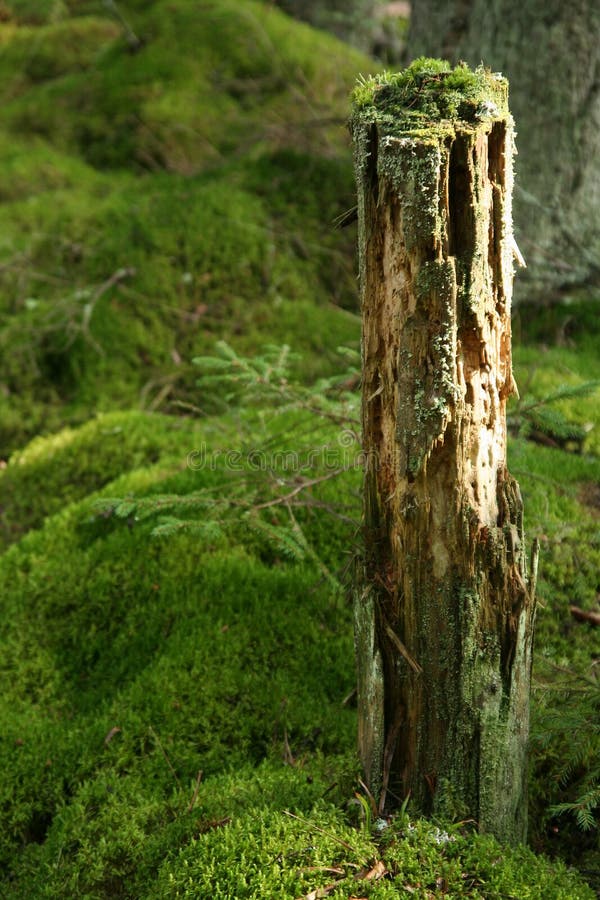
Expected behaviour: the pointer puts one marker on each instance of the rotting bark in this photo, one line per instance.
(444, 614)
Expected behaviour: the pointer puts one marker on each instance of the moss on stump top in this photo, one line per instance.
(428, 97)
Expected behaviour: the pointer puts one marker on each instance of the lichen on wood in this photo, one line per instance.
(444, 569)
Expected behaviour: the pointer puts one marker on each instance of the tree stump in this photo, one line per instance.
(444, 611)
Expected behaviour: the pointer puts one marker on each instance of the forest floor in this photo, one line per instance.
(176, 652)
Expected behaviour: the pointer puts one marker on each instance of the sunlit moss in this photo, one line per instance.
(429, 91)
(192, 164)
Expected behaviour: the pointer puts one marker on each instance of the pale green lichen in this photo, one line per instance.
(412, 166)
(425, 405)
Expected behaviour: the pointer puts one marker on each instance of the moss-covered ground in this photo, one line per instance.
(176, 713)
(167, 702)
(155, 198)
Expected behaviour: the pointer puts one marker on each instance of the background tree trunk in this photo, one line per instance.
(444, 621)
(550, 52)
(350, 20)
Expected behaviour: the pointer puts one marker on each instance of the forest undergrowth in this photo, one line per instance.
(180, 482)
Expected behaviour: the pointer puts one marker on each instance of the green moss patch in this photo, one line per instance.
(224, 136)
(274, 855)
(123, 282)
(428, 93)
(201, 82)
(55, 471)
(132, 664)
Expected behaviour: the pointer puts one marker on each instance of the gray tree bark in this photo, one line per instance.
(350, 20)
(550, 52)
(444, 614)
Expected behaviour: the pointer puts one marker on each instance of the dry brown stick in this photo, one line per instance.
(583, 615)
(196, 789)
(403, 650)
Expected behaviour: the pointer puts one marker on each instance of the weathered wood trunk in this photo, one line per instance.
(444, 616)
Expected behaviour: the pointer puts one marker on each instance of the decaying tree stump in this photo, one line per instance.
(444, 615)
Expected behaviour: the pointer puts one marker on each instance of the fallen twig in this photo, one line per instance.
(583, 615)
(196, 789)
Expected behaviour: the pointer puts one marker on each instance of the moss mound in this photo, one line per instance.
(132, 664)
(293, 858)
(198, 83)
(54, 471)
(161, 195)
(164, 701)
